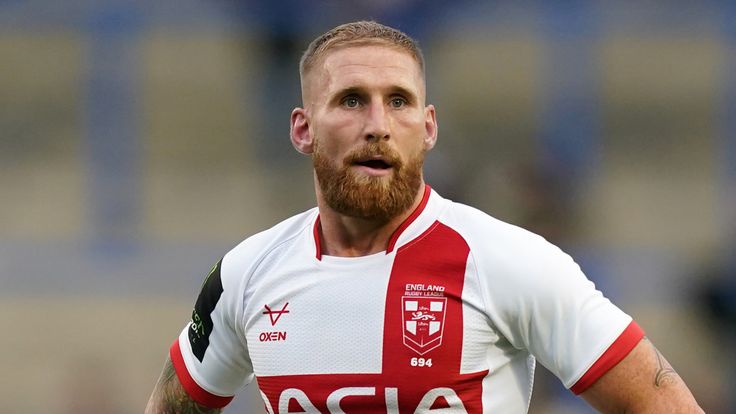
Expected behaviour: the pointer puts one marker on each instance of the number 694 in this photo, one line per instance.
(421, 362)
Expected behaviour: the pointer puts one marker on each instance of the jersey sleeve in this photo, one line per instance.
(541, 301)
(210, 355)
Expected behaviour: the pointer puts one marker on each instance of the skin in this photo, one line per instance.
(169, 397)
(362, 94)
(643, 382)
(376, 92)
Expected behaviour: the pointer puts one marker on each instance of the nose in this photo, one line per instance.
(377, 123)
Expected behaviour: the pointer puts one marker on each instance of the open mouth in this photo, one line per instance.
(374, 164)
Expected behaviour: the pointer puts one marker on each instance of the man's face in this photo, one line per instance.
(370, 130)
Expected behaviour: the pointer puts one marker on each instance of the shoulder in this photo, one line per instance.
(489, 235)
(249, 253)
(508, 256)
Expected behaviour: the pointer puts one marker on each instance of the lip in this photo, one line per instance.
(374, 172)
(373, 158)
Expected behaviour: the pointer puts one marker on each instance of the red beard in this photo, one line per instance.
(369, 197)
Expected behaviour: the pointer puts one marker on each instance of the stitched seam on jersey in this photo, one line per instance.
(240, 316)
(240, 312)
(489, 314)
(257, 265)
(411, 219)
(496, 326)
(425, 233)
(470, 254)
(474, 263)
(238, 302)
(486, 300)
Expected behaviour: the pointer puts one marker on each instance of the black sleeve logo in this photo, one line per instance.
(201, 325)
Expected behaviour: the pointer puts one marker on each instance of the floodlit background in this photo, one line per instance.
(139, 141)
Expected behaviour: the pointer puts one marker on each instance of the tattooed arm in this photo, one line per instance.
(169, 397)
(643, 382)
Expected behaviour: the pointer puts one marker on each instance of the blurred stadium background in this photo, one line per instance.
(139, 141)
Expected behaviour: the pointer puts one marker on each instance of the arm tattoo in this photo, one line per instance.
(171, 398)
(665, 373)
(169, 372)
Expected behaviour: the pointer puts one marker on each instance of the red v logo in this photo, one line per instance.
(274, 315)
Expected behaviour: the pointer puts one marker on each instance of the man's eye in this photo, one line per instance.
(398, 102)
(351, 102)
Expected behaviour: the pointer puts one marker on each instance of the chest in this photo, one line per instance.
(386, 334)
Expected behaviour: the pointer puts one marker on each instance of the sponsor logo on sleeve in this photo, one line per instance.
(200, 327)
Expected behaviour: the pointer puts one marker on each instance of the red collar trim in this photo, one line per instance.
(413, 216)
(317, 244)
(394, 237)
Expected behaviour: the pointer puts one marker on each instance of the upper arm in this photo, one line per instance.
(169, 396)
(643, 382)
(209, 362)
(541, 301)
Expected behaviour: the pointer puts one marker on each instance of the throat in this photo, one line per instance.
(351, 237)
(347, 235)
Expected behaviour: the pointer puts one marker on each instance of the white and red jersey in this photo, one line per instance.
(450, 318)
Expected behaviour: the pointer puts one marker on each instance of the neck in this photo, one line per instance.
(346, 236)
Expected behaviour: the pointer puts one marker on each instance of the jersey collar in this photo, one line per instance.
(392, 241)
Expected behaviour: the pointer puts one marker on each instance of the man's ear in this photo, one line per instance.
(430, 126)
(301, 136)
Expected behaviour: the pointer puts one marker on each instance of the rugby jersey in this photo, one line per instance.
(449, 319)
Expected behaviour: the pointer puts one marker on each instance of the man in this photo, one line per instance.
(387, 298)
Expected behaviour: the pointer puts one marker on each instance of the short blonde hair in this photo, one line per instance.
(356, 34)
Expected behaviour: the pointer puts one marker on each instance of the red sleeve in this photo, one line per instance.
(613, 355)
(197, 393)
